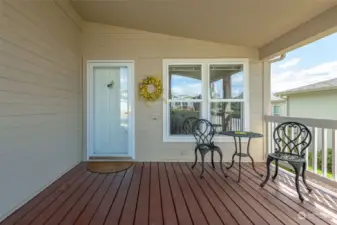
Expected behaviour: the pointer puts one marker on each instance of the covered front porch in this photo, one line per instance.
(173, 193)
(49, 54)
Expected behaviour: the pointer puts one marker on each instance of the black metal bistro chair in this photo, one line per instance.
(203, 132)
(188, 125)
(292, 149)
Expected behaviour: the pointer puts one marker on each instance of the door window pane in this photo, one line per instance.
(185, 82)
(179, 111)
(227, 116)
(226, 81)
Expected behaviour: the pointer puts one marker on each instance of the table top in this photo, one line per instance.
(244, 134)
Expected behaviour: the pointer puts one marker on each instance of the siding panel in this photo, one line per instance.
(40, 98)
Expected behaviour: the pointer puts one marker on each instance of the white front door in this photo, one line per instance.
(110, 130)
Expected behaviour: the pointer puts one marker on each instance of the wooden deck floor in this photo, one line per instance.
(172, 193)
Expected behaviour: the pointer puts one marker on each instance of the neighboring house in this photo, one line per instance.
(279, 106)
(317, 101)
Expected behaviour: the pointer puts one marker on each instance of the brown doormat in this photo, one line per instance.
(108, 167)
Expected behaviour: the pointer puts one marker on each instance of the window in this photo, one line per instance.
(276, 110)
(211, 89)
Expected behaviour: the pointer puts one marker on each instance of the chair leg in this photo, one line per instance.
(196, 157)
(202, 153)
(221, 157)
(276, 170)
(297, 168)
(303, 177)
(269, 160)
(212, 152)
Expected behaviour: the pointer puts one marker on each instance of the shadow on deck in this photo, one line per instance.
(172, 193)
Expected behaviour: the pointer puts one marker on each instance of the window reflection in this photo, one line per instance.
(226, 81)
(185, 82)
(227, 116)
(179, 111)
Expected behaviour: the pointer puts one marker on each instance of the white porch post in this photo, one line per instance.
(266, 104)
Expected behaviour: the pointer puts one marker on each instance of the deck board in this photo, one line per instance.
(155, 209)
(207, 208)
(248, 207)
(172, 194)
(78, 205)
(50, 190)
(86, 215)
(218, 206)
(311, 209)
(276, 207)
(103, 209)
(182, 210)
(259, 208)
(142, 210)
(130, 205)
(196, 213)
(169, 211)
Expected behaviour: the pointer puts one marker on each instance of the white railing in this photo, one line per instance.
(322, 153)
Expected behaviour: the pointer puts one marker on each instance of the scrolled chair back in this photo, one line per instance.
(292, 137)
(188, 125)
(203, 131)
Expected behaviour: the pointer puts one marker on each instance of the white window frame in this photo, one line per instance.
(206, 99)
(279, 110)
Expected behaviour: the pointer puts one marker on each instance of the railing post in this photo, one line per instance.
(271, 133)
(334, 155)
(270, 139)
(266, 140)
(324, 151)
(314, 149)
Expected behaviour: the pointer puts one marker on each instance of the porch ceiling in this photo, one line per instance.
(240, 22)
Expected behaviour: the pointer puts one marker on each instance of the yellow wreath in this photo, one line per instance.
(150, 89)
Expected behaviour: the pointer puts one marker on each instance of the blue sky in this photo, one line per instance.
(192, 87)
(306, 65)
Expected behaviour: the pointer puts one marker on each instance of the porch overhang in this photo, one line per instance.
(314, 29)
(271, 29)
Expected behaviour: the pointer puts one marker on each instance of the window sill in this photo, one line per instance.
(178, 139)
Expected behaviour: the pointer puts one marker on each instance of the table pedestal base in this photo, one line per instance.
(240, 154)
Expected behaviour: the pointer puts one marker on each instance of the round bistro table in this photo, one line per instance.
(237, 140)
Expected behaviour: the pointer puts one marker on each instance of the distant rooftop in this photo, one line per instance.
(320, 86)
(273, 98)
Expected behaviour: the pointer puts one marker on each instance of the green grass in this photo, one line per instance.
(319, 171)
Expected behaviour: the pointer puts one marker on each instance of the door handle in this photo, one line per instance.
(111, 84)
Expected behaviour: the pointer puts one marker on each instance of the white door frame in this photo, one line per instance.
(90, 109)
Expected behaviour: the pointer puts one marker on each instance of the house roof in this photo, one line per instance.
(273, 98)
(320, 86)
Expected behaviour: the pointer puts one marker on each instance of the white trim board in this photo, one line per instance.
(205, 81)
(89, 102)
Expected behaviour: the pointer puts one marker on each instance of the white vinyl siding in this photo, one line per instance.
(40, 99)
(148, 51)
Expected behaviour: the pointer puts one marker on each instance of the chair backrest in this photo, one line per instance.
(203, 131)
(188, 125)
(292, 137)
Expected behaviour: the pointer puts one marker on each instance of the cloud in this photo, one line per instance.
(290, 63)
(187, 89)
(237, 78)
(294, 78)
